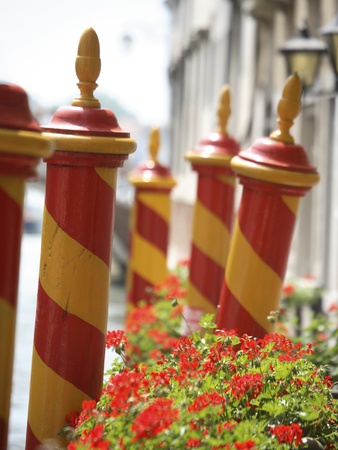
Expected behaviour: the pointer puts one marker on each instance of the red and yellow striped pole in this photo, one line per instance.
(73, 293)
(21, 148)
(213, 217)
(274, 173)
(149, 225)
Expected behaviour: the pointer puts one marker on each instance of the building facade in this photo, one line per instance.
(238, 42)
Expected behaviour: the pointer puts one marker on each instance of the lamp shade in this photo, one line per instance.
(330, 33)
(303, 54)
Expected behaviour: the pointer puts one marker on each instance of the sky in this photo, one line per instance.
(38, 47)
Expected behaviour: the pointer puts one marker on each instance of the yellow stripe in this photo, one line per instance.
(91, 144)
(14, 188)
(132, 228)
(210, 235)
(151, 182)
(75, 278)
(108, 175)
(7, 335)
(211, 160)
(230, 180)
(157, 201)
(22, 142)
(48, 407)
(273, 175)
(147, 261)
(291, 202)
(255, 285)
(198, 300)
(133, 215)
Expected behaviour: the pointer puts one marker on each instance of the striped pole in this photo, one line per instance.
(21, 148)
(213, 217)
(274, 173)
(73, 292)
(149, 225)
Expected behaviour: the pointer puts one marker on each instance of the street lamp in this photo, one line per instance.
(330, 33)
(303, 54)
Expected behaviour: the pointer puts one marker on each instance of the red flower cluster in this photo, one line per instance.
(205, 400)
(288, 289)
(170, 288)
(250, 384)
(288, 434)
(158, 416)
(208, 392)
(245, 445)
(93, 437)
(125, 389)
(115, 339)
(138, 317)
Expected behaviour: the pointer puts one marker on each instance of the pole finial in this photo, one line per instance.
(223, 110)
(288, 109)
(154, 143)
(87, 67)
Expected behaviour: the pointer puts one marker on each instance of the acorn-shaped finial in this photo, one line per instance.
(88, 67)
(288, 109)
(223, 110)
(154, 143)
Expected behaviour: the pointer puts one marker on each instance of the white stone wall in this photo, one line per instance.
(217, 42)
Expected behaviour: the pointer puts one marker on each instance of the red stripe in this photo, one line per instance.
(232, 315)
(83, 205)
(32, 443)
(152, 227)
(71, 347)
(206, 275)
(218, 197)
(268, 225)
(3, 434)
(10, 247)
(139, 289)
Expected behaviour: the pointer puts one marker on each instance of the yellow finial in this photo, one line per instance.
(88, 67)
(223, 110)
(288, 109)
(154, 143)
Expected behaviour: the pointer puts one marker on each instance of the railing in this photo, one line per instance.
(243, 285)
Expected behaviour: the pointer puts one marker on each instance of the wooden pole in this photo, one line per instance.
(73, 292)
(21, 148)
(213, 216)
(149, 225)
(275, 174)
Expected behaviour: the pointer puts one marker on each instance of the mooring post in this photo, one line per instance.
(22, 147)
(275, 174)
(149, 224)
(213, 216)
(76, 251)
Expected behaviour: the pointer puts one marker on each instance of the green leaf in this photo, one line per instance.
(207, 321)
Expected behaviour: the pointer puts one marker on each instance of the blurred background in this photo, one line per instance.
(164, 64)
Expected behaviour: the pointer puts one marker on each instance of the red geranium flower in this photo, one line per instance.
(115, 338)
(288, 289)
(158, 416)
(288, 434)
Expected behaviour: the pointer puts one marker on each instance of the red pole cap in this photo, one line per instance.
(15, 113)
(152, 173)
(219, 148)
(85, 127)
(22, 144)
(277, 159)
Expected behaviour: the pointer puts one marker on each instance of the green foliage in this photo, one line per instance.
(321, 329)
(213, 391)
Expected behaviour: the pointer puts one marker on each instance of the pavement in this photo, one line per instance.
(29, 275)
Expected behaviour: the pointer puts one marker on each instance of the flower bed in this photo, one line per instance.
(212, 390)
(220, 391)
